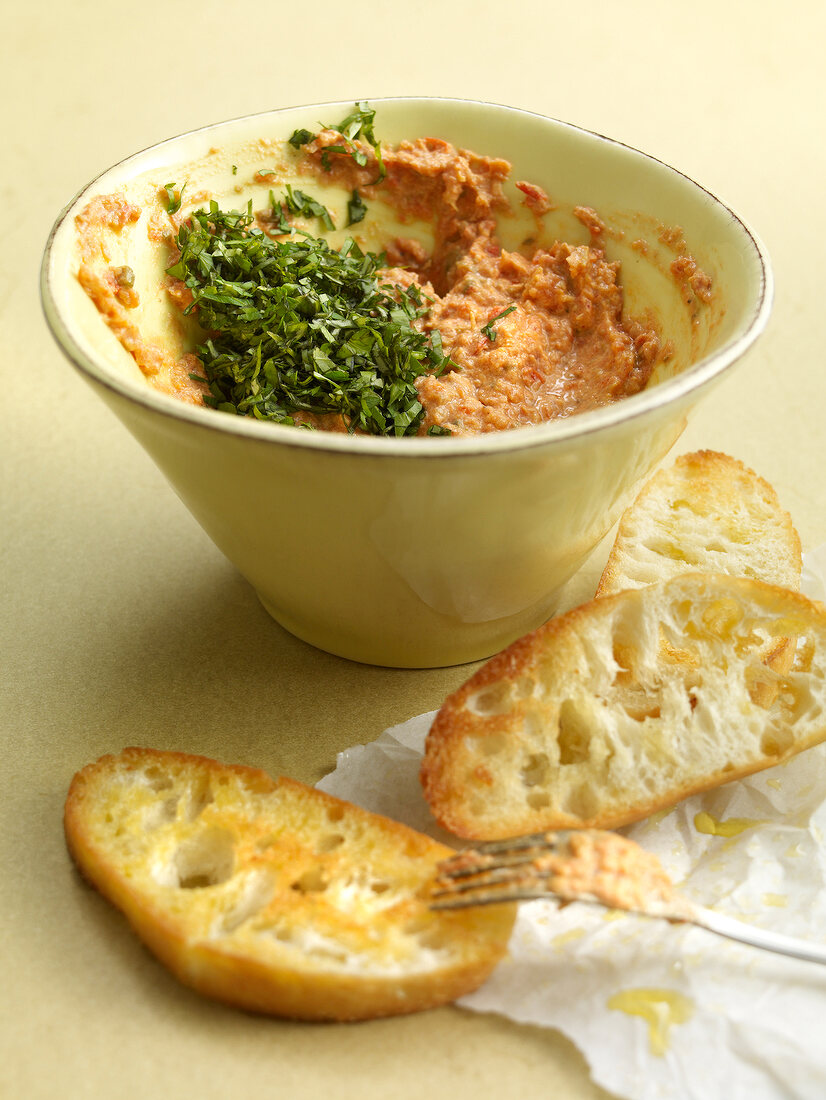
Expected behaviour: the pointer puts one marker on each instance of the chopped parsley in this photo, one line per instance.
(173, 198)
(299, 138)
(358, 124)
(356, 208)
(296, 326)
(298, 202)
(488, 329)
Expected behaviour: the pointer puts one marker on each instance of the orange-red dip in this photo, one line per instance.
(563, 349)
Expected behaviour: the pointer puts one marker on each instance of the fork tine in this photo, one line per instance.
(518, 843)
(495, 876)
(497, 855)
(499, 871)
(500, 896)
(483, 865)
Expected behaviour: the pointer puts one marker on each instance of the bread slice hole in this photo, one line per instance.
(525, 687)
(621, 654)
(573, 736)
(328, 842)
(639, 704)
(536, 770)
(306, 942)
(582, 802)
(762, 685)
(160, 813)
(722, 617)
(328, 951)
(478, 806)
(205, 859)
(776, 742)
(266, 841)
(667, 548)
(200, 797)
(257, 893)
(158, 779)
(335, 812)
(804, 655)
(434, 937)
(496, 699)
(488, 745)
(538, 799)
(313, 881)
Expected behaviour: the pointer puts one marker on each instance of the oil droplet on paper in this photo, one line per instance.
(657, 817)
(732, 826)
(660, 1008)
(778, 900)
(775, 783)
(568, 937)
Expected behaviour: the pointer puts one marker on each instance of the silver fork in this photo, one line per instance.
(589, 865)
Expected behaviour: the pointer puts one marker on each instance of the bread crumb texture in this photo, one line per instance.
(628, 704)
(271, 895)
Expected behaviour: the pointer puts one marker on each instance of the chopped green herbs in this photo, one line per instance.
(358, 124)
(296, 326)
(279, 220)
(488, 329)
(299, 138)
(357, 154)
(298, 202)
(173, 198)
(356, 208)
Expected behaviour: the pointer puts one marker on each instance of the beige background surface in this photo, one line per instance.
(121, 624)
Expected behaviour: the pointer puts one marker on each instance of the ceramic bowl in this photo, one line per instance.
(420, 552)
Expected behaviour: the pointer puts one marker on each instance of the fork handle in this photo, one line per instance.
(758, 937)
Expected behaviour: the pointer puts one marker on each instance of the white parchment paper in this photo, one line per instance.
(660, 1011)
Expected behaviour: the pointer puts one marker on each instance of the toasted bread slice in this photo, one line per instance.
(705, 513)
(271, 895)
(626, 705)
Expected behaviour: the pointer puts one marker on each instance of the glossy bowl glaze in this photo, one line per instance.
(421, 552)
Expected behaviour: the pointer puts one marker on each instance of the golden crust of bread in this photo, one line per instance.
(273, 896)
(626, 705)
(708, 512)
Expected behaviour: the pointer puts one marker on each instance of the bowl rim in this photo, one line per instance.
(672, 391)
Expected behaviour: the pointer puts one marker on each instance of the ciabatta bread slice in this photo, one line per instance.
(708, 513)
(271, 895)
(626, 705)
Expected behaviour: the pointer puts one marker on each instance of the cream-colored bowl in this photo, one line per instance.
(419, 552)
